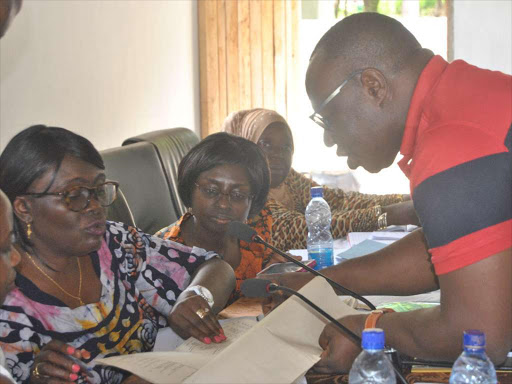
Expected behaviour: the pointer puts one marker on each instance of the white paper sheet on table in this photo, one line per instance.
(355, 238)
(363, 248)
(339, 245)
(278, 349)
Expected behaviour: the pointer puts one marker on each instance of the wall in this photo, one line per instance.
(105, 69)
(483, 33)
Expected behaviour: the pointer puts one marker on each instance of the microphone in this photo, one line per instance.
(265, 288)
(244, 232)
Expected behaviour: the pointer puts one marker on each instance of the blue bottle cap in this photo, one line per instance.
(474, 339)
(373, 338)
(317, 192)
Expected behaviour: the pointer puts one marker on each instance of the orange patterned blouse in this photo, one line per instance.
(254, 256)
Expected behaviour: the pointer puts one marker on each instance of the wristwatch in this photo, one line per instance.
(371, 320)
(203, 292)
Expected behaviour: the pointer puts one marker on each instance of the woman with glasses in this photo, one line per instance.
(222, 179)
(88, 288)
(290, 191)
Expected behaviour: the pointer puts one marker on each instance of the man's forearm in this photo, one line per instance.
(418, 333)
(402, 268)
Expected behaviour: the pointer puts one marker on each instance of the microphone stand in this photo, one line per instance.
(259, 240)
(272, 287)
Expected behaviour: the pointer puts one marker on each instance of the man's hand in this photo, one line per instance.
(339, 351)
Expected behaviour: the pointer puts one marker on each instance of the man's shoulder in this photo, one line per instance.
(469, 94)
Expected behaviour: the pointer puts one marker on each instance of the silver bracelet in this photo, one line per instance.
(203, 292)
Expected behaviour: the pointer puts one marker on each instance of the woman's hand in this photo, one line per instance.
(54, 364)
(4, 380)
(192, 316)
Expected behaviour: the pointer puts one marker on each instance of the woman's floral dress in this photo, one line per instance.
(141, 277)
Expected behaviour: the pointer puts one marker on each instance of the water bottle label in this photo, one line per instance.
(322, 256)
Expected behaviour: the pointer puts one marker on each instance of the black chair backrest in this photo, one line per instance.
(171, 145)
(139, 172)
(120, 211)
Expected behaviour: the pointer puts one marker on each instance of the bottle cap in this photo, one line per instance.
(373, 338)
(317, 192)
(474, 339)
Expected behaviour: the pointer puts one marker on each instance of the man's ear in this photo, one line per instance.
(375, 85)
(22, 208)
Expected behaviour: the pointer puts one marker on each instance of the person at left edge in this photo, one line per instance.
(8, 258)
(88, 287)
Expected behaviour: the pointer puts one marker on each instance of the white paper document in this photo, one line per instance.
(355, 238)
(278, 349)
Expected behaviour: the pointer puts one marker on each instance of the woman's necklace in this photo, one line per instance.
(57, 284)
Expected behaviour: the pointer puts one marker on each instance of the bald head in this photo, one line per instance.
(368, 40)
(360, 80)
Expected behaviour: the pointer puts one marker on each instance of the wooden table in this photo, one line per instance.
(244, 306)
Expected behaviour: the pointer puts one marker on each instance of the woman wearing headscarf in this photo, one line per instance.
(290, 191)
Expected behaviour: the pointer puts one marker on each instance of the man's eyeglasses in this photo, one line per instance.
(316, 117)
(214, 193)
(78, 198)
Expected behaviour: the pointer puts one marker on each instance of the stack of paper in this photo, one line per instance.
(278, 349)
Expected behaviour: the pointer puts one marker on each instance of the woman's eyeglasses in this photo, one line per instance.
(78, 198)
(214, 193)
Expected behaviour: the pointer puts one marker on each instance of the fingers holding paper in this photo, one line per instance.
(191, 316)
(339, 351)
(59, 363)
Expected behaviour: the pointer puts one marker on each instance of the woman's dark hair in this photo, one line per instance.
(35, 151)
(221, 149)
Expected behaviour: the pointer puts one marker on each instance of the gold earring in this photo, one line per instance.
(29, 230)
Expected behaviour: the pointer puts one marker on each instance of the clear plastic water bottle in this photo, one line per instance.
(372, 366)
(473, 366)
(318, 219)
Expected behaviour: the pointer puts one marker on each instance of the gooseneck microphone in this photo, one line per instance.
(265, 288)
(244, 232)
